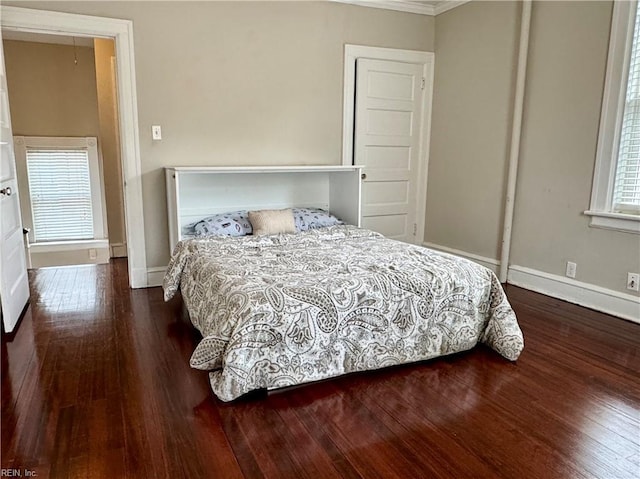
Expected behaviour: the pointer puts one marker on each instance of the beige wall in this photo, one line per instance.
(242, 83)
(476, 46)
(109, 140)
(560, 128)
(261, 83)
(565, 79)
(48, 94)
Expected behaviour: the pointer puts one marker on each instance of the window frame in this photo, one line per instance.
(90, 144)
(613, 101)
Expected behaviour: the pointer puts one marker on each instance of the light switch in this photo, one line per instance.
(156, 132)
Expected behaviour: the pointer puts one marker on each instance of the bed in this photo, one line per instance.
(287, 309)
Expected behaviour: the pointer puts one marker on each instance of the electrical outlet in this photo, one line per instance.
(633, 281)
(571, 269)
(93, 254)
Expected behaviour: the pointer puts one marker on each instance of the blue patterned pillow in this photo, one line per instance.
(310, 218)
(224, 224)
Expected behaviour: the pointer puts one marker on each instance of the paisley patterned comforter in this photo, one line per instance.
(281, 310)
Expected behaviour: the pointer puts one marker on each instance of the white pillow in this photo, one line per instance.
(271, 222)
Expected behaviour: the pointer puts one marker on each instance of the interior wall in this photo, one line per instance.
(472, 127)
(476, 46)
(48, 94)
(104, 51)
(242, 83)
(567, 64)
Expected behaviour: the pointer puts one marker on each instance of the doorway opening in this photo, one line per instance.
(121, 31)
(65, 121)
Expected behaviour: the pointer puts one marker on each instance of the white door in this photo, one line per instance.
(14, 284)
(387, 138)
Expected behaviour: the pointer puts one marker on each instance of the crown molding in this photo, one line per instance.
(445, 6)
(408, 6)
(397, 5)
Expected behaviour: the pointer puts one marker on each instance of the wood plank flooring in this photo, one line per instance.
(96, 383)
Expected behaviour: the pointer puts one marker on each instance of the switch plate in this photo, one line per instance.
(633, 281)
(156, 132)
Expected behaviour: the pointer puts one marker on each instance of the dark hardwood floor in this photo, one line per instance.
(96, 383)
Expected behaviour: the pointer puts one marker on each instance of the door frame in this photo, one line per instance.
(121, 31)
(427, 60)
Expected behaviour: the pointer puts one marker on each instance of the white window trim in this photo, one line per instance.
(600, 209)
(90, 144)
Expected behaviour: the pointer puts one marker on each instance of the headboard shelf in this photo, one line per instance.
(195, 192)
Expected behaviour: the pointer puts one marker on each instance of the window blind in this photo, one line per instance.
(626, 190)
(60, 190)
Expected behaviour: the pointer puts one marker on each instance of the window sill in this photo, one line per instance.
(614, 221)
(53, 246)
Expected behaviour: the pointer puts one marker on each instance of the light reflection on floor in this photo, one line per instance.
(70, 290)
(607, 426)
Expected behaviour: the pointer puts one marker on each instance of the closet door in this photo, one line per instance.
(388, 125)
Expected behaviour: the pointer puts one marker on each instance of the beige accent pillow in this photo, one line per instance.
(271, 222)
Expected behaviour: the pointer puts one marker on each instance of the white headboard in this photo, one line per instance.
(194, 193)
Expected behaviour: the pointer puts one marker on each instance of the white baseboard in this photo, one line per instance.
(155, 276)
(42, 255)
(118, 250)
(608, 301)
(490, 263)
